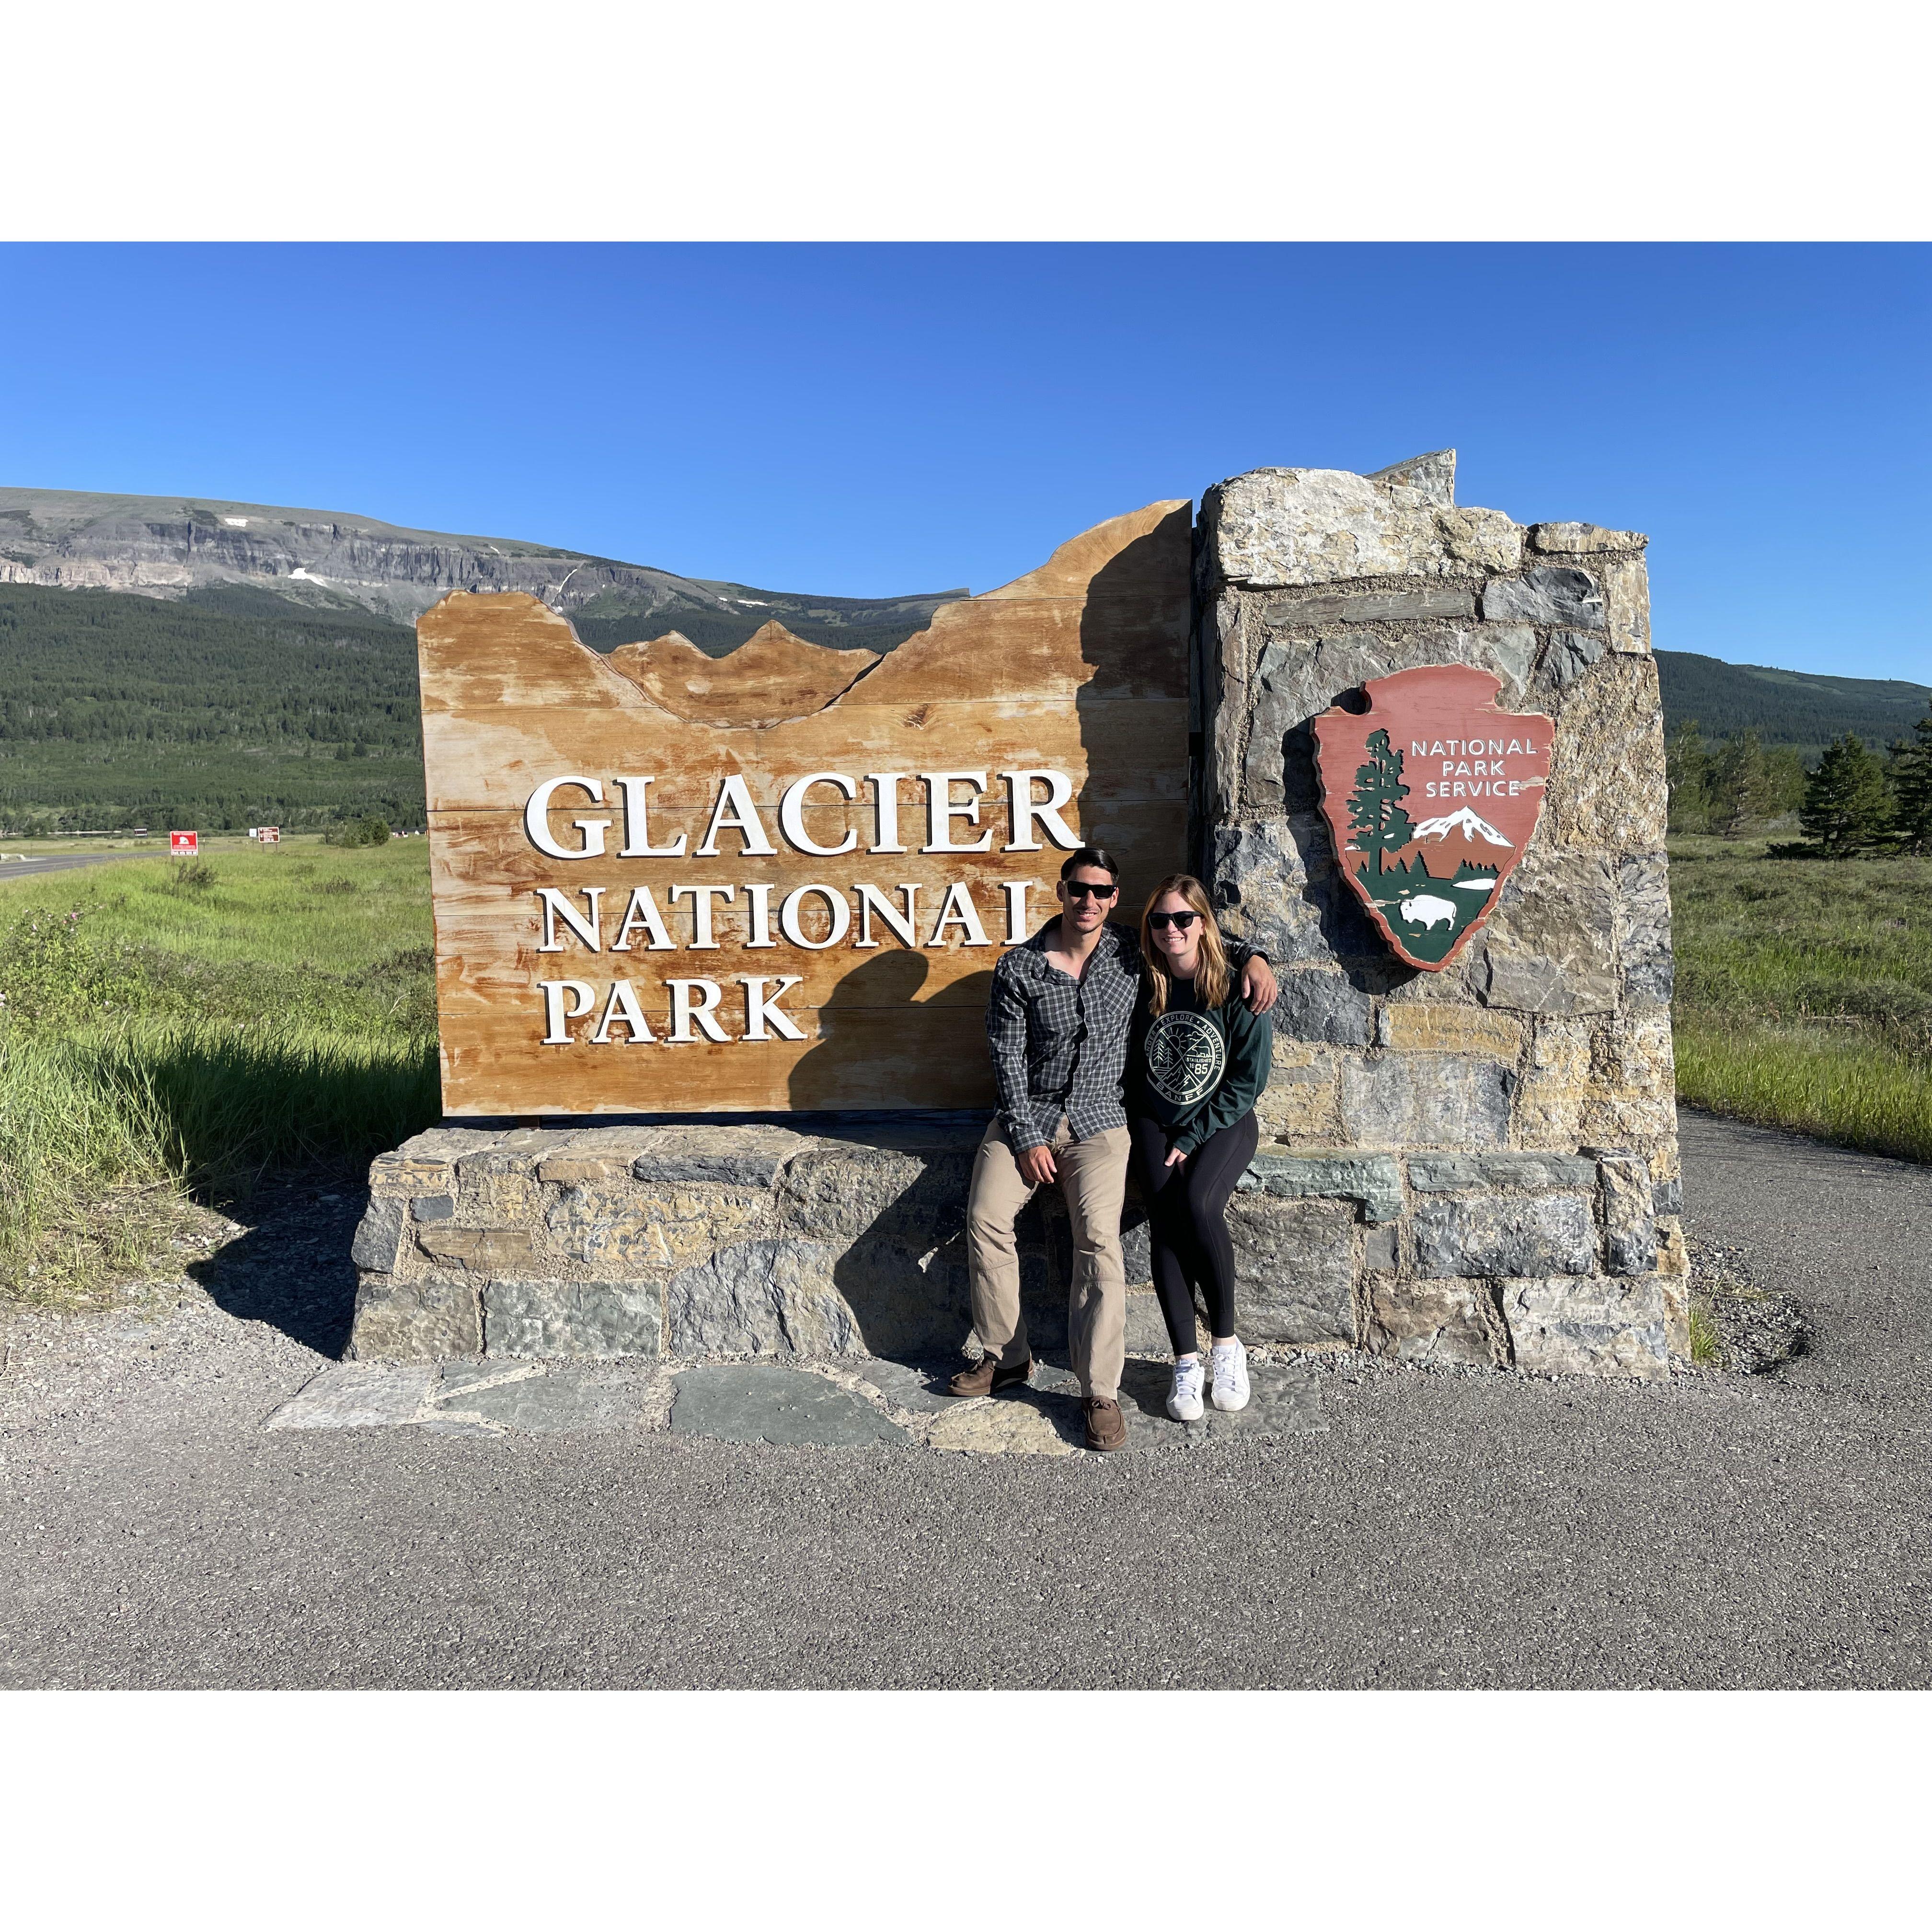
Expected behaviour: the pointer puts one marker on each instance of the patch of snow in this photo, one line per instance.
(307, 576)
(236, 522)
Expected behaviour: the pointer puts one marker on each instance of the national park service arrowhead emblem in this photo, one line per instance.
(1431, 796)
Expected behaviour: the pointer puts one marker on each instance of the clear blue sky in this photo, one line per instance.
(868, 420)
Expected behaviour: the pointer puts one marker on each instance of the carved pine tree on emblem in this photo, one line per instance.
(1376, 819)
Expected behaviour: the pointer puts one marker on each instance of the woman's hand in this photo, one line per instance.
(1175, 1157)
(1259, 987)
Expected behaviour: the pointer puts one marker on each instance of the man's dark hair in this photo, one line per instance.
(1091, 855)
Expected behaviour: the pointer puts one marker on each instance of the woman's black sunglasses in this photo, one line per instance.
(1161, 921)
(1078, 888)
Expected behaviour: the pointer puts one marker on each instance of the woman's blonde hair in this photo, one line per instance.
(1211, 976)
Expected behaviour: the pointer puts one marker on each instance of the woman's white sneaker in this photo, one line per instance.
(1230, 1376)
(1183, 1402)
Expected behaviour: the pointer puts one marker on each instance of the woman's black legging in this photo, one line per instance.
(1187, 1217)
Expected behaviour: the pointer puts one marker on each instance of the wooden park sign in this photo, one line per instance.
(1431, 795)
(779, 880)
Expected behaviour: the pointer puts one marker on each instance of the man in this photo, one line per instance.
(1058, 1019)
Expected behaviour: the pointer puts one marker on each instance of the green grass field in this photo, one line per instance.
(169, 1031)
(1804, 992)
(170, 1028)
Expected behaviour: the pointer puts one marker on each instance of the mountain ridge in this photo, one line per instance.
(320, 563)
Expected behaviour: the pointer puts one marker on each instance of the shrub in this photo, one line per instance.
(366, 831)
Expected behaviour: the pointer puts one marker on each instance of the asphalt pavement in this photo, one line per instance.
(1443, 1529)
(27, 865)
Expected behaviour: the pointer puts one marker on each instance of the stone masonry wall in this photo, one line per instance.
(694, 1240)
(1516, 1108)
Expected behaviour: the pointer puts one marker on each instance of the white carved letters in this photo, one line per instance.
(672, 914)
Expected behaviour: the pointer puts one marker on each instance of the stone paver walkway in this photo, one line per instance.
(836, 1404)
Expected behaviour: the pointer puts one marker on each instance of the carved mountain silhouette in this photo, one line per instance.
(771, 677)
(1464, 821)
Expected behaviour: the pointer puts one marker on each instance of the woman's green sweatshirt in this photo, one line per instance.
(1195, 1069)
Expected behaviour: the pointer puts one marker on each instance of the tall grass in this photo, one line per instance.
(1857, 1092)
(1804, 993)
(166, 1032)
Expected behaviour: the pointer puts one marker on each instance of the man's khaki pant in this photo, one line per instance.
(1093, 1183)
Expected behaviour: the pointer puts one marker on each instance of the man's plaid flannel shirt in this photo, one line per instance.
(1060, 1045)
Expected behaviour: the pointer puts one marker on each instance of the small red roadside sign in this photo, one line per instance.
(180, 842)
(271, 835)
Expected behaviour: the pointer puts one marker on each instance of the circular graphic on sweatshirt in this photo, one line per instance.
(1185, 1058)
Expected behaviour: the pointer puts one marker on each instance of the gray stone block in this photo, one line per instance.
(572, 1317)
(1278, 884)
(1452, 1321)
(761, 1297)
(1147, 1326)
(606, 1227)
(415, 1321)
(720, 1156)
(517, 1152)
(1294, 1269)
(915, 1200)
(559, 1398)
(761, 1401)
(357, 1395)
(1432, 477)
(1374, 1180)
(1503, 1234)
(1570, 654)
(1666, 1197)
(1592, 1327)
(379, 1240)
(1510, 649)
(1550, 594)
(1322, 1007)
(1425, 1100)
(1380, 1252)
(1630, 1224)
(433, 1208)
(1578, 538)
(1551, 945)
(1643, 928)
(1446, 1173)
(1374, 607)
(908, 1300)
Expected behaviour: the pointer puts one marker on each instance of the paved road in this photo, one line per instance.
(67, 862)
(1446, 1529)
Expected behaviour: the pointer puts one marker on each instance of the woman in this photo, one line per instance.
(1199, 1061)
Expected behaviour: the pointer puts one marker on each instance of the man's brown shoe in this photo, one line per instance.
(1106, 1429)
(986, 1377)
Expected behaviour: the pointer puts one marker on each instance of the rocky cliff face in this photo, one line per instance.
(170, 547)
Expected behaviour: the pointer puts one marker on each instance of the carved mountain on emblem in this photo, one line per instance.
(1465, 822)
(772, 677)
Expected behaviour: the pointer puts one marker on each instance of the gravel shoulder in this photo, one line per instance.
(1443, 1528)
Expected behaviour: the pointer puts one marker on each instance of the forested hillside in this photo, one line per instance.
(1802, 708)
(119, 710)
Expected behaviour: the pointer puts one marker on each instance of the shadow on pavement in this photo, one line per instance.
(291, 1268)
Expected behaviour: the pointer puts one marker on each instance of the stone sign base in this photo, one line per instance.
(841, 1237)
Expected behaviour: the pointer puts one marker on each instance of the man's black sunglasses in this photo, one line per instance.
(1078, 888)
(1161, 921)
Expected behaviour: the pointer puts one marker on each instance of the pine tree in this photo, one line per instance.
(1375, 815)
(1687, 771)
(1847, 808)
(1740, 784)
(1912, 786)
